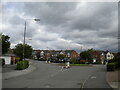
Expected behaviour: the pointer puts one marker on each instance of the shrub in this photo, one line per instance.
(98, 62)
(111, 61)
(110, 66)
(83, 61)
(73, 61)
(116, 64)
(22, 65)
(55, 60)
(41, 59)
(17, 59)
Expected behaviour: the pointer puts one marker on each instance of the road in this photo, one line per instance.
(8, 68)
(54, 76)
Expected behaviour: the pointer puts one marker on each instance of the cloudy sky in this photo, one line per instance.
(62, 25)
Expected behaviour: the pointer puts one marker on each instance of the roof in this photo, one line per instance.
(9, 55)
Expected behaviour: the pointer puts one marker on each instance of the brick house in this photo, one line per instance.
(96, 55)
(42, 54)
(46, 54)
(71, 54)
(102, 56)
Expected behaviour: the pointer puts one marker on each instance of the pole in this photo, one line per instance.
(24, 42)
(25, 35)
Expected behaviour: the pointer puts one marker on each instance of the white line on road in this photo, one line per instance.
(93, 77)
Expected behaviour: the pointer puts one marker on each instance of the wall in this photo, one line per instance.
(7, 59)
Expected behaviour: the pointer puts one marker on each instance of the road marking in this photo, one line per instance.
(61, 70)
(82, 86)
(93, 77)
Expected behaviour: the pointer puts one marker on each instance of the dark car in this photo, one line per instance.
(2, 61)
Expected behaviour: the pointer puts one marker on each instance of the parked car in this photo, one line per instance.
(2, 61)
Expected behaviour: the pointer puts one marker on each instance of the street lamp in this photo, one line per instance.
(25, 35)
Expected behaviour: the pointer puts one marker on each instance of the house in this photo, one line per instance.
(39, 54)
(9, 58)
(102, 56)
(46, 54)
(109, 56)
(96, 55)
(71, 54)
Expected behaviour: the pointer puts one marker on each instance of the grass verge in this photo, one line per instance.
(62, 64)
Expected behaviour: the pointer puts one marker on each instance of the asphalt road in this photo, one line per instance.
(54, 76)
(8, 68)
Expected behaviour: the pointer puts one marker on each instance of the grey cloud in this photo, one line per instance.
(49, 13)
(89, 25)
(95, 16)
(16, 20)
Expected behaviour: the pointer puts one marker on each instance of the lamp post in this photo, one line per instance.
(25, 35)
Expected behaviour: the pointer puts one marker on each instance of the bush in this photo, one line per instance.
(111, 61)
(111, 66)
(116, 64)
(74, 61)
(22, 65)
(98, 62)
(41, 59)
(83, 61)
(17, 59)
(55, 60)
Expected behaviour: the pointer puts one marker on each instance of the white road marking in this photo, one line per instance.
(93, 77)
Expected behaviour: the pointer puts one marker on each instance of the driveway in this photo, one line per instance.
(8, 68)
(54, 76)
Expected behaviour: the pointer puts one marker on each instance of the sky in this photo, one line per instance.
(63, 25)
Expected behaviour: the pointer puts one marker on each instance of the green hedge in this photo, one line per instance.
(73, 61)
(116, 64)
(111, 66)
(22, 65)
(17, 59)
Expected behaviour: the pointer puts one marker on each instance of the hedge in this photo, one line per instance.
(116, 64)
(74, 61)
(111, 66)
(17, 59)
(22, 64)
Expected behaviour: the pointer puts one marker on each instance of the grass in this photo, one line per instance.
(79, 65)
(62, 64)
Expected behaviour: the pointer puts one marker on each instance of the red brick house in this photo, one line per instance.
(71, 54)
(46, 54)
(96, 55)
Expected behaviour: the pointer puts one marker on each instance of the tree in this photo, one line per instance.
(74, 61)
(18, 50)
(86, 55)
(5, 43)
(116, 58)
(60, 56)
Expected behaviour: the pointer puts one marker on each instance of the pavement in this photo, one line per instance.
(113, 79)
(8, 68)
(11, 72)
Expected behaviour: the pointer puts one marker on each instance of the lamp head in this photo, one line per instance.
(37, 19)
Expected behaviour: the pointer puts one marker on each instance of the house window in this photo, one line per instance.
(42, 53)
(108, 55)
